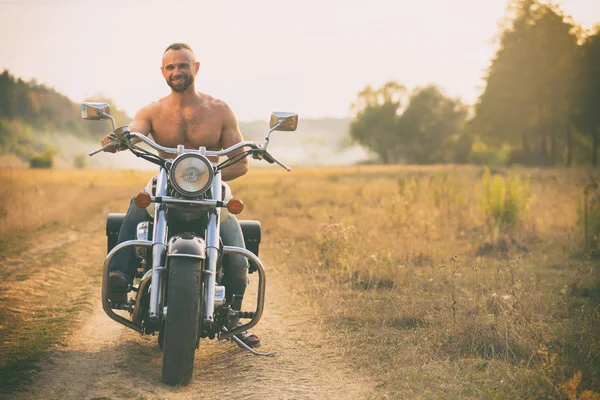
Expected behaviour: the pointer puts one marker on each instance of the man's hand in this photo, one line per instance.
(112, 147)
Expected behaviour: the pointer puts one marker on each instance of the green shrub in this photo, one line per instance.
(80, 161)
(44, 159)
(504, 201)
(482, 154)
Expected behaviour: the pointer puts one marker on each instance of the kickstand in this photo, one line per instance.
(244, 346)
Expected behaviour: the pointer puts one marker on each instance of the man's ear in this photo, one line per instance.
(197, 66)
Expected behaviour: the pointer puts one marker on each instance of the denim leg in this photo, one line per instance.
(125, 260)
(235, 266)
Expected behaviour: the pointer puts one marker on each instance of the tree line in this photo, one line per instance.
(540, 105)
(28, 107)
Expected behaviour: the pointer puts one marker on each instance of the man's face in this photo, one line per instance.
(179, 68)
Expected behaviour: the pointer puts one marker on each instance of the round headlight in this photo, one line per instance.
(191, 174)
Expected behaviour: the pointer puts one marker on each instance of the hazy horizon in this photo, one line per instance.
(259, 57)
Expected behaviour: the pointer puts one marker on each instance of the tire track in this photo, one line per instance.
(102, 359)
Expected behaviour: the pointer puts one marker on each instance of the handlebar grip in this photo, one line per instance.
(268, 158)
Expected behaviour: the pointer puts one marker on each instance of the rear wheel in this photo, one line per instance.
(180, 333)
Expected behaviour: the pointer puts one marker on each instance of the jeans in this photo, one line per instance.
(235, 267)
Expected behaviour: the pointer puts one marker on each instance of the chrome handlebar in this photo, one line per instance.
(202, 150)
(171, 150)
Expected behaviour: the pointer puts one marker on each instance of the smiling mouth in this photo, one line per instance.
(180, 83)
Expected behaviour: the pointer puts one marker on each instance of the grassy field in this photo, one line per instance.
(51, 225)
(428, 292)
(434, 288)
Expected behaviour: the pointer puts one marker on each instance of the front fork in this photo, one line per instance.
(212, 255)
(158, 249)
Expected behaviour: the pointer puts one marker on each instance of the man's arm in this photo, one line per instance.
(229, 136)
(141, 123)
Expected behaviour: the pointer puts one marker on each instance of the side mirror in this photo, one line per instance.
(284, 121)
(95, 111)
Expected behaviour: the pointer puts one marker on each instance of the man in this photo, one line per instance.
(193, 119)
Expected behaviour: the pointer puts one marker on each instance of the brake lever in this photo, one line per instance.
(271, 159)
(282, 165)
(122, 145)
(99, 150)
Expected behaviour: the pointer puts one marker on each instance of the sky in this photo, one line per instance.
(310, 57)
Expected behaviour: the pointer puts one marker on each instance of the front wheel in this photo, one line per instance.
(182, 320)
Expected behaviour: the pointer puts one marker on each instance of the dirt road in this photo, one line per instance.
(103, 360)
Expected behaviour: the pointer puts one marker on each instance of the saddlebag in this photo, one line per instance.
(251, 232)
(113, 226)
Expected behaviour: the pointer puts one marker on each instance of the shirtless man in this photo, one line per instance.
(193, 119)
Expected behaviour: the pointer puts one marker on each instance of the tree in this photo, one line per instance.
(587, 115)
(526, 102)
(376, 120)
(429, 130)
(432, 127)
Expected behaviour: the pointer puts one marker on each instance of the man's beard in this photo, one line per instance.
(184, 83)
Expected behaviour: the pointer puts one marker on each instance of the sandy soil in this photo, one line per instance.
(103, 359)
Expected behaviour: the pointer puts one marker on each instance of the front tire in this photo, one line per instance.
(182, 321)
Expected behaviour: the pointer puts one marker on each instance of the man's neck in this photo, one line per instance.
(184, 98)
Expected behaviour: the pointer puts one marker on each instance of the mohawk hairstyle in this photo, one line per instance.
(179, 46)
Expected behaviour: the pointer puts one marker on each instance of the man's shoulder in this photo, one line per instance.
(151, 108)
(213, 103)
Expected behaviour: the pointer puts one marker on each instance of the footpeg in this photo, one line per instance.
(250, 349)
(121, 306)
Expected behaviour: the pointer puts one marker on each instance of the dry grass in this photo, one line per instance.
(389, 255)
(32, 198)
(51, 246)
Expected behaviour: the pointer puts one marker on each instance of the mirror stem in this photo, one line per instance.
(114, 125)
(269, 134)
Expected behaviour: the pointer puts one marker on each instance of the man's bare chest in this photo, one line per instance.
(188, 127)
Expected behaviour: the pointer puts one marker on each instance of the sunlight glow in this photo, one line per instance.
(258, 56)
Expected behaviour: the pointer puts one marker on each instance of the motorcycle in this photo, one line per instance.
(177, 290)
